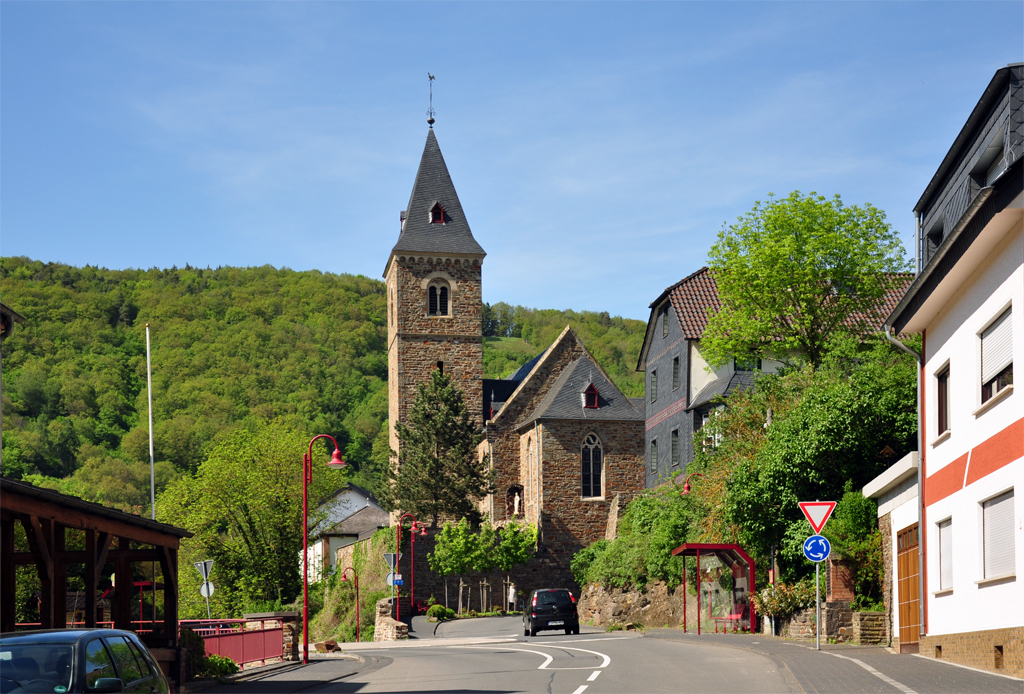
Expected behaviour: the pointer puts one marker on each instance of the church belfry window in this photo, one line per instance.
(592, 464)
(436, 214)
(438, 298)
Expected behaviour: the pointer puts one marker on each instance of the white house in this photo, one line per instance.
(349, 515)
(967, 302)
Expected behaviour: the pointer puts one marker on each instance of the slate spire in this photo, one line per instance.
(433, 187)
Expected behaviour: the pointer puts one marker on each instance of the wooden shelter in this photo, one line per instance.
(110, 537)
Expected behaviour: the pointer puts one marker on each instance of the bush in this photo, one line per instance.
(449, 613)
(215, 666)
(437, 612)
(780, 600)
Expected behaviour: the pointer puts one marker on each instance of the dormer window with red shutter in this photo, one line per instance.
(437, 214)
(590, 397)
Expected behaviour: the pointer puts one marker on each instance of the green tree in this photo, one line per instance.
(455, 549)
(245, 508)
(438, 471)
(517, 546)
(793, 273)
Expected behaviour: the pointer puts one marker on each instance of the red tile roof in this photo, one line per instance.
(693, 296)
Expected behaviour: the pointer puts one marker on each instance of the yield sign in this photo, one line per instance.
(817, 512)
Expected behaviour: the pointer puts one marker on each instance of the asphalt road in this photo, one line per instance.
(492, 655)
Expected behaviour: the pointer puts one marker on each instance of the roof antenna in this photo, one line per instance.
(430, 111)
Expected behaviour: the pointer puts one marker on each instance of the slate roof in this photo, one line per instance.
(727, 385)
(523, 371)
(434, 185)
(365, 521)
(565, 398)
(495, 393)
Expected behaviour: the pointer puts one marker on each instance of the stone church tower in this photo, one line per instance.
(434, 296)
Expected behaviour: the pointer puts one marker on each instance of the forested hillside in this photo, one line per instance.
(230, 345)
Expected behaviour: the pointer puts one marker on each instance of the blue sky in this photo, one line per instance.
(597, 148)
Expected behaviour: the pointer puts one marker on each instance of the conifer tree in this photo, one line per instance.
(437, 471)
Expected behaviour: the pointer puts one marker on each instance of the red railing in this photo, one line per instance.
(240, 640)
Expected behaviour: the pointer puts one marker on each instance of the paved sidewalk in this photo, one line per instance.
(856, 669)
(294, 679)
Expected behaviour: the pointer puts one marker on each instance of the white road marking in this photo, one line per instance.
(885, 678)
(582, 689)
(606, 660)
(593, 676)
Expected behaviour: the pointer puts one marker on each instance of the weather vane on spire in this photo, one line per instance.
(430, 111)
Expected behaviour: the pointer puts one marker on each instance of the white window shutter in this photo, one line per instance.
(996, 347)
(945, 554)
(997, 520)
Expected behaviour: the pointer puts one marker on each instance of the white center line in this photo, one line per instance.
(593, 676)
(582, 688)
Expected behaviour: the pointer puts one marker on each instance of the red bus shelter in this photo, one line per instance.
(742, 567)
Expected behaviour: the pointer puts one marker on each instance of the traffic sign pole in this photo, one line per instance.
(817, 603)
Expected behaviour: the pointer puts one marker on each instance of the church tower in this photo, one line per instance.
(433, 281)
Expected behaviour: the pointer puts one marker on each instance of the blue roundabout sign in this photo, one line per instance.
(817, 548)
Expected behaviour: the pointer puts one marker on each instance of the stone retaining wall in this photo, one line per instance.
(870, 627)
(386, 628)
(996, 650)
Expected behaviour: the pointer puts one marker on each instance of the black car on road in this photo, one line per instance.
(551, 608)
(59, 661)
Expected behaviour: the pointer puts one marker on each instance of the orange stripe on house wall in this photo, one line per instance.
(946, 481)
(997, 451)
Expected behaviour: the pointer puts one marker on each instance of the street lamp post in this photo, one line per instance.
(307, 476)
(416, 525)
(356, 576)
(686, 484)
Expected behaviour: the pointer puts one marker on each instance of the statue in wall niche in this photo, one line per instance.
(515, 505)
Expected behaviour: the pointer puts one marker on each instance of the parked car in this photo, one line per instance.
(551, 608)
(77, 660)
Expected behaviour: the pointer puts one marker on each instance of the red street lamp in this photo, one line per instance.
(416, 526)
(344, 578)
(307, 476)
(686, 484)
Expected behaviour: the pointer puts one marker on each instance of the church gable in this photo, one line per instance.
(566, 349)
(568, 396)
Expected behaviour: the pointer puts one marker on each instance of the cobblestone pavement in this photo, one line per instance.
(856, 669)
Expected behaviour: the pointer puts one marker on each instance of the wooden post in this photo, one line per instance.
(39, 536)
(169, 568)
(122, 587)
(60, 579)
(90, 579)
(8, 577)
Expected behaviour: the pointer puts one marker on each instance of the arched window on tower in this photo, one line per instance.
(438, 298)
(592, 460)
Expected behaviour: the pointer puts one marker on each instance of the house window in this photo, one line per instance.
(748, 364)
(437, 298)
(675, 446)
(654, 455)
(942, 393)
(996, 357)
(436, 214)
(664, 322)
(711, 440)
(654, 386)
(675, 373)
(946, 554)
(590, 397)
(997, 536)
(592, 462)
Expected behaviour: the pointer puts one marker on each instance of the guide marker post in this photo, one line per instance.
(206, 590)
(392, 560)
(817, 549)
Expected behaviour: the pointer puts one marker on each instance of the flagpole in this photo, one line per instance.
(149, 392)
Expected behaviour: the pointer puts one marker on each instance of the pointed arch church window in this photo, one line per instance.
(592, 459)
